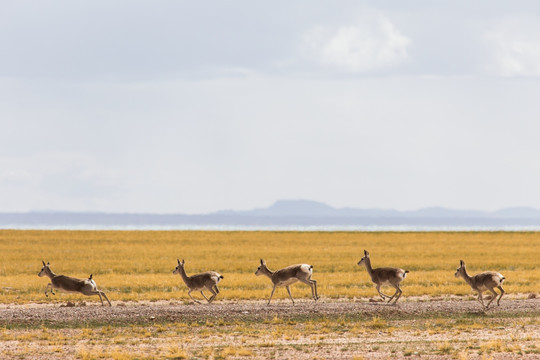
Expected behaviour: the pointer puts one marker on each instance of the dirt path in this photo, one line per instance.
(147, 312)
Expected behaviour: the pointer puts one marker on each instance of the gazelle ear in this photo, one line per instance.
(48, 263)
(366, 253)
(43, 262)
(262, 262)
(462, 263)
(178, 261)
(183, 262)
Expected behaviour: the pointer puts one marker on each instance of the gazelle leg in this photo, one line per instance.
(189, 293)
(106, 298)
(493, 297)
(480, 298)
(47, 289)
(216, 289)
(313, 284)
(314, 289)
(396, 293)
(98, 293)
(272, 294)
(100, 298)
(204, 296)
(378, 287)
(399, 295)
(214, 294)
(289, 291)
(502, 292)
(383, 296)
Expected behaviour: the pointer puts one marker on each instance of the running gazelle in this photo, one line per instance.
(487, 280)
(384, 276)
(198, 282)
(288, 276)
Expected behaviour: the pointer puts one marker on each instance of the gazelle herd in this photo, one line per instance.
(287, 276)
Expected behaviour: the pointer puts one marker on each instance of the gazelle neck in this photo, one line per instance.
(266, 271)
(49, 272)
(367, 264)
(183, 274)
(466, 276)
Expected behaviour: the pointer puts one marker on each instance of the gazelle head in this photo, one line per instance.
(366, 256)
(180, 266)
(261, 268)
(461, 269)
(45, 269)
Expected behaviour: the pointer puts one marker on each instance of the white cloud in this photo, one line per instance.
(196, 114)
(372, 44)
(515, 47)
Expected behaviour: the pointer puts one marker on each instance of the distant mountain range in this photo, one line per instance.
(282, 213)
(310, 208)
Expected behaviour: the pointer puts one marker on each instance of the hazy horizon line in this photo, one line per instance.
(262, 208)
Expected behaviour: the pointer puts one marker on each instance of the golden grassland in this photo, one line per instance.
(138, 265)
(343, 338)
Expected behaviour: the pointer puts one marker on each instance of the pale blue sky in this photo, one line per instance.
(191, 107)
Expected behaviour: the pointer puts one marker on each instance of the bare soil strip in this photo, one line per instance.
(148, 312)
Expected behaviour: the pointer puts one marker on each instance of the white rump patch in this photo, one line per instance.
(93, 283)
(308, 268)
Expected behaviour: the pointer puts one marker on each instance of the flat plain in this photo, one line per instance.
(152, 317)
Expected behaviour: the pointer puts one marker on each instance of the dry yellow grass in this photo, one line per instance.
(138, 265)
(346, 338)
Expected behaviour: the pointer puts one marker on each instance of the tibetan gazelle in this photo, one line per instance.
(206, 280)
(484, 281)
(289, 275)
(86, 287)
(384, 276)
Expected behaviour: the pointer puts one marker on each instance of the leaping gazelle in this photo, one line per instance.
(481, 282)
(289, 275)
(65, 283)
(384, 276)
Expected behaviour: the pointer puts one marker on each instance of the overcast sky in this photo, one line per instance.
(198, 106)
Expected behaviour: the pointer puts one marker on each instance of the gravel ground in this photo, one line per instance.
(28, 337)
(137, 313)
